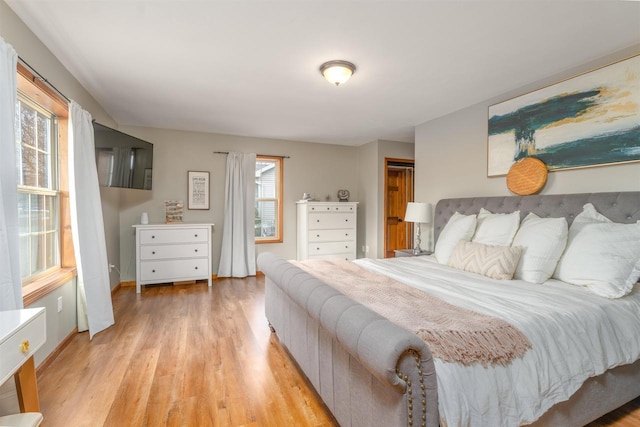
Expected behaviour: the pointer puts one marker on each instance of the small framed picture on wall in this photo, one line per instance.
(198, 190)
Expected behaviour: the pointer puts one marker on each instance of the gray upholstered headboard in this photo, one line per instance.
(618, 207)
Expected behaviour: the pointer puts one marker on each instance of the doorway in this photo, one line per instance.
(398, 184)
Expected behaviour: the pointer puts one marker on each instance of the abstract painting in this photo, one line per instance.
(588, 120)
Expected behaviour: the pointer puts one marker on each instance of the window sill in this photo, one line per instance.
(44, 285)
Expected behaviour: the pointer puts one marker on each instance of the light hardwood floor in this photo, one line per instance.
(191, 356)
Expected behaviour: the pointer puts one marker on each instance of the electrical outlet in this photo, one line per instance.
(59, 304)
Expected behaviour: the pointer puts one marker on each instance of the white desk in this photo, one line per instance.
(22, 333)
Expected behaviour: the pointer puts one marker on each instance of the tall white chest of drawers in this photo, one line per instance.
(326, 230)
(172, 253)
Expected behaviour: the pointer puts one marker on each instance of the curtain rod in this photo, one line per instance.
(263, 155)
(41, 77)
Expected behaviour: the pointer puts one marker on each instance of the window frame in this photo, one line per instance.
(278, 238)
(40, 93)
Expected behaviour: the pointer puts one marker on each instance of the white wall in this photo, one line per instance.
(371, 160)
(319, 169)
(451, 153)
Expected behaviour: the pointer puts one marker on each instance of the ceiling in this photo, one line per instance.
(250, 67)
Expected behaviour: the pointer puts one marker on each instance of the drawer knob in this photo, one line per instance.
(196, 250)
(196, 268)
(153, 253)
(153, 271)
(24, 346)
(317, 220)
(317, 235)
(153, 237)
(195, 235)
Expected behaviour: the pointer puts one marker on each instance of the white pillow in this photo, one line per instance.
(543, 240)
(494, 261)
(601, 255)
(459, 227)
(496, 229)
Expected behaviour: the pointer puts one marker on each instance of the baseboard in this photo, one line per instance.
(52, 356)
(133, 282)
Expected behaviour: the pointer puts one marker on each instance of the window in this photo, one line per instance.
(36, 146)
(47, 260)
(268, 208)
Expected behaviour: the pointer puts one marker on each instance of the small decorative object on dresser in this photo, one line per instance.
(343, 195)
(172, 253)
(173, 211)
(326, 230)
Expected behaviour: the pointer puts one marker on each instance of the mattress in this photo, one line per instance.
(575, 335)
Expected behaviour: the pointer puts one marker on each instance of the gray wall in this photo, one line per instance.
(319, 169)
(451, 152)
(30, 48)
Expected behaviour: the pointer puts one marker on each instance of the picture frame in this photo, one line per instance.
(198, 190)
(587, 120)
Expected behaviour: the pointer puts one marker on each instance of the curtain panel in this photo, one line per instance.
(10, 281)
(238, 256)
(95, 311)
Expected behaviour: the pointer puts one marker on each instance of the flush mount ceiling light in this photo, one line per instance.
(337, 72)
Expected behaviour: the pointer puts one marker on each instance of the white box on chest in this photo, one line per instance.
(326, 230)
(172, 253)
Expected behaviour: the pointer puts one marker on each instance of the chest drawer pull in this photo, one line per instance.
(24, 346)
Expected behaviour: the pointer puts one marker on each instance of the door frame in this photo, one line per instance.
(410, 197)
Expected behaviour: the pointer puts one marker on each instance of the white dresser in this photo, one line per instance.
(326, 230)
(172, 253)
(22, 333)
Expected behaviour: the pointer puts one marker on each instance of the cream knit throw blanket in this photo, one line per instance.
(453, 334)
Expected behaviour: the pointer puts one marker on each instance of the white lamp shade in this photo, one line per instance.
(418, 212)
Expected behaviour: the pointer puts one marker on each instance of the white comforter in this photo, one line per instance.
(574, 333)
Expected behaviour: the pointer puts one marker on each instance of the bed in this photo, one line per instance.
(369, 371)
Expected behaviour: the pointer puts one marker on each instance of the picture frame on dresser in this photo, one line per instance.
(198, 189)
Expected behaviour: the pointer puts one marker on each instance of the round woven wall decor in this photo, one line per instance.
(527, 176)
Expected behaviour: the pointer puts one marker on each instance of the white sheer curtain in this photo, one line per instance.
(95, 311)
(238, 257)
(10, 283)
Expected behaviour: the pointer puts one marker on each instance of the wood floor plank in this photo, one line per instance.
(189, 355)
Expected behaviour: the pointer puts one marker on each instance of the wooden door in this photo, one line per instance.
(399, 191)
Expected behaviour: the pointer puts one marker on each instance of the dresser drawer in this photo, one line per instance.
(174, 270)
(346, 256)
(332, 235)
(176, 235)
(189, 250)
(319, 221)
(331, 248)
(33, 334)
(338, 207)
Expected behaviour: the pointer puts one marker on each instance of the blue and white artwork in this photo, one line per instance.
(592, 119)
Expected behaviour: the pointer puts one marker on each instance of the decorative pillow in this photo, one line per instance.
(496, 229)
(601, 255)
(543, 240)
(496, 262)
(459, 227)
